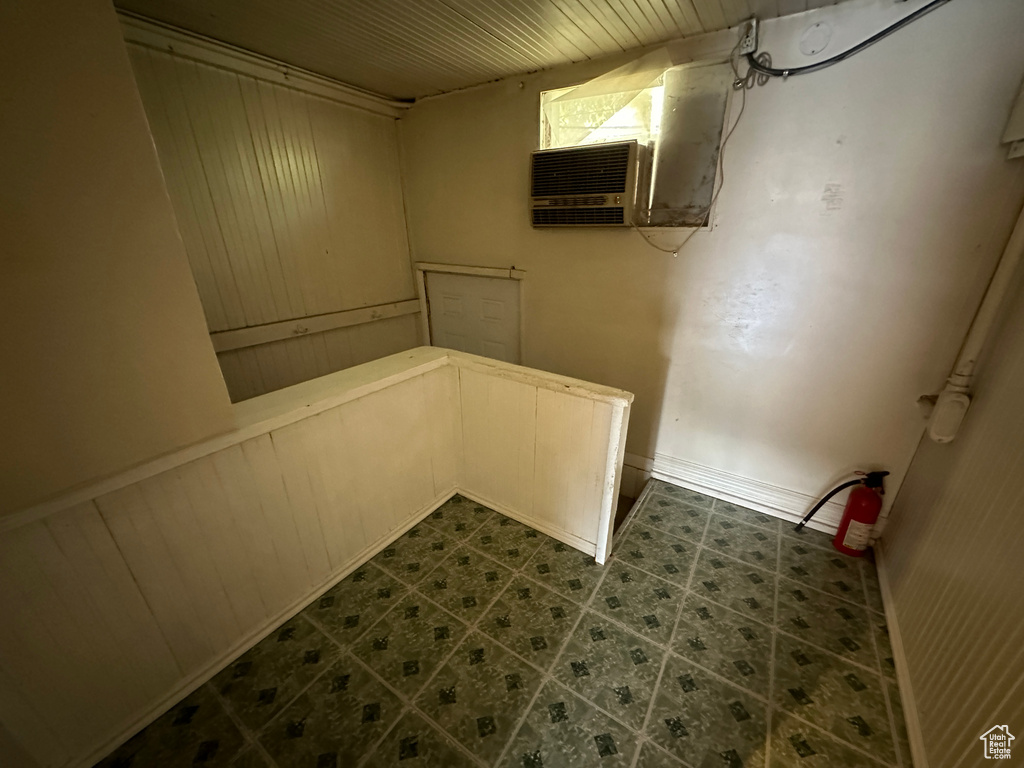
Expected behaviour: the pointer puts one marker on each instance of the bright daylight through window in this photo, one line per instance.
(568, 119)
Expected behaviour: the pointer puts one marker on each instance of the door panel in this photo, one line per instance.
(474, 314)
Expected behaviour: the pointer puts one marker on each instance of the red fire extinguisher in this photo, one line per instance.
(860, 515)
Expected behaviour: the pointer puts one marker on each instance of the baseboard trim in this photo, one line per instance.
(899, 655)
(203, 676)
(587, 547)
(754, 494)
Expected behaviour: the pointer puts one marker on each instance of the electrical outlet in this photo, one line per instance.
(748, 43)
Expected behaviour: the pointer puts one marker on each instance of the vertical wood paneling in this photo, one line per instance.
(51, 644)
(112, 608)
(141, 544)
(952, 552)
(110, 590)
(268, 483)
(551, 485)
(276, 578)
(252, 371)
(18, 715)
(540, 452)
(441, 395)
(289, 205)
(288, 452)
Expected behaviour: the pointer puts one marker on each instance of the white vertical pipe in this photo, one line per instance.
(963, 371)
(954, 400)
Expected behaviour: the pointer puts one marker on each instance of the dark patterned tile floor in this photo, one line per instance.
(714, 637)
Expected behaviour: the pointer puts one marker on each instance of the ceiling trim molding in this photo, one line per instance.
(145, 33)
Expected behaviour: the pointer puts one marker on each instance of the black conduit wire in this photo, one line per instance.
(828, 496)
(763, 69)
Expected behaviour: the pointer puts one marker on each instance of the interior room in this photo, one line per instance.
(511, 383)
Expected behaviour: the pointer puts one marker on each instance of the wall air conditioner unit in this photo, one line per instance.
(589, 186)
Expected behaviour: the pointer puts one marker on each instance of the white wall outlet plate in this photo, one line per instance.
(748, 43)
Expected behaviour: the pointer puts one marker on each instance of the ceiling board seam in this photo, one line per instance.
(626, 26)
(489, 32)
(558, 9)
(476, 45)
(586, 11)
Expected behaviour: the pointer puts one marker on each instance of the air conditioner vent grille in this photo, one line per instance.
(603, 168)
(578, 216)
(574, 201)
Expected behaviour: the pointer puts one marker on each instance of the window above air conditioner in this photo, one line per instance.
(570, 120)
(673, 117)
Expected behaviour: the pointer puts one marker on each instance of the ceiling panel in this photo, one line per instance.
(413, 48)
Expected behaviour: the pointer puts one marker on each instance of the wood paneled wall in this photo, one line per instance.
(118, 599)
(116, 605)
(539, 455)
(255, 370)
(953, 560)
(290, 206)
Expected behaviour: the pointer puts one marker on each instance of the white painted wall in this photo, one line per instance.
(788, 345)
(105, 358)
(121, 597)
(952, 560)
(289, 203)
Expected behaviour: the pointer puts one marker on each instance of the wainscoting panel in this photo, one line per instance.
(119, 599)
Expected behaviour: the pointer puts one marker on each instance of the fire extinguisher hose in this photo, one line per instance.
(829, 495)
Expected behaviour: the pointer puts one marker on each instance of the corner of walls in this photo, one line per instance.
(223, 660)
(748, 354)
(899, 654)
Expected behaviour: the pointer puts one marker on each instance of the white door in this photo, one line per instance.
(474, 314)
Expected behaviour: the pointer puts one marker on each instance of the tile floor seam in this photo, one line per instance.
(263, 728)
(479, 525)
(842, 742)
(671, 641)
(772, 652)
(769, 626)
(547, 676)
(406, 589)
(721, 678)
(864, 587)
(464, 541)
(888, 700)
(409, 700)
(408, 706)
(738, 560)
(656, 576)
(667, 650)
(250, 736)
(284, 707)
(833, 654)
(471, 627)
(251, 747)
(587, 607)
(805, 585)
(513, 568)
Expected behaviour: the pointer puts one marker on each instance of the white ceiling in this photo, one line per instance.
(413, 48)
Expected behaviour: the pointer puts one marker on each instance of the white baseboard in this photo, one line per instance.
(909, 703)
(197, 679)
(587, 547)
(754, 494)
